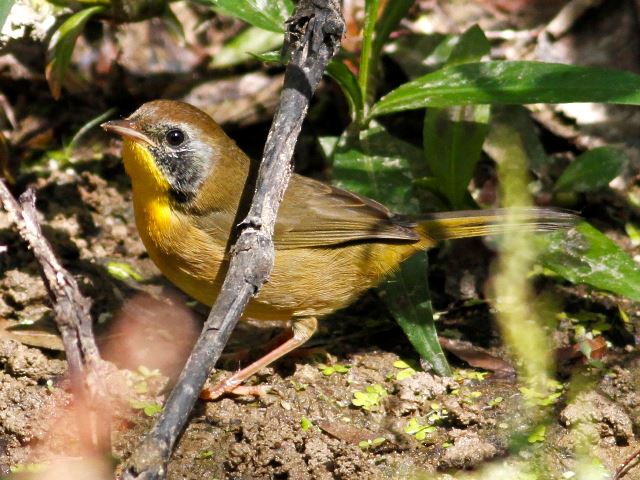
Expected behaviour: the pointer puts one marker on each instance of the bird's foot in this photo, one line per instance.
(303, 328)
(232, 386)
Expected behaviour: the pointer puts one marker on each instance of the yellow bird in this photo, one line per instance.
(187, 178)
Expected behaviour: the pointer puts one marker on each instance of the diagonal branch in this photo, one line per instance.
(313, 37)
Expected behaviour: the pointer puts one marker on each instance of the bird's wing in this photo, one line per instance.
(314, 214)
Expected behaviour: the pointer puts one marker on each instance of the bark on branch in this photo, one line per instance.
(312, 38)
(72, 315)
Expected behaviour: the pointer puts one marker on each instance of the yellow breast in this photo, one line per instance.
(184, 254)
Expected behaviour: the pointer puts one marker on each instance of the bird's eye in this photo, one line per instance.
(175, 137)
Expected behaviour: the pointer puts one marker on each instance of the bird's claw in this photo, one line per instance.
(233, 387)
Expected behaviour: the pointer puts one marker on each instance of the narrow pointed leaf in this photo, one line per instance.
(265, 14)
(348, 84)
(394, 11)
(519, 82)
(245, 45)
(367, 60)
(62, 45)
(471, 47)
(273, 56)
(407, 295)
(453, 137)
(453, 140)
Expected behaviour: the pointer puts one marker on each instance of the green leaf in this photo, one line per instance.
(367, 60)
(592, 170)
(305, 424)
(406, 370)
(331, 369)
(453, 140)
(370, 398)
(141, 387)
(412, 426)
(250, 42)
(273, 56)
(472, 45)
(123, 271)
(149, 408)
(348, 83)
(407, 295)
(453, 137)
(402, 364)
(5, 8)
(61, 47)
(585, 255)
(388, 20)
(267, 15)
(406, 373)
(341, 368)
(520, 82)
(204, 454)
(376, 165)
(418, 430)
(364, 444)
(152, 409)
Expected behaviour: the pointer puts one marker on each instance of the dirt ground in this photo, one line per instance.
(307, 426)
(354, 403)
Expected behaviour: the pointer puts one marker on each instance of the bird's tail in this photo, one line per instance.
(476, 223)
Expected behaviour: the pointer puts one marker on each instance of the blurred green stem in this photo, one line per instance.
(516, 310)
(366, 59)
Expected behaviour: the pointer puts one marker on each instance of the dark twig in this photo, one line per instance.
(72, 315)
(627, 465)
(313, 36)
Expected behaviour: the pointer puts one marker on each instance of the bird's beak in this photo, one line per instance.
(127, 129)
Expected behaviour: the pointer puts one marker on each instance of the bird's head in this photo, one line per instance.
(172, 148)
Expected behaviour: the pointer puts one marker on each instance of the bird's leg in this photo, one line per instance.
(303, 330)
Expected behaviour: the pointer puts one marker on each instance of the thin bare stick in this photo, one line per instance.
(313, 37)
(72, 314)
(627, 465)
